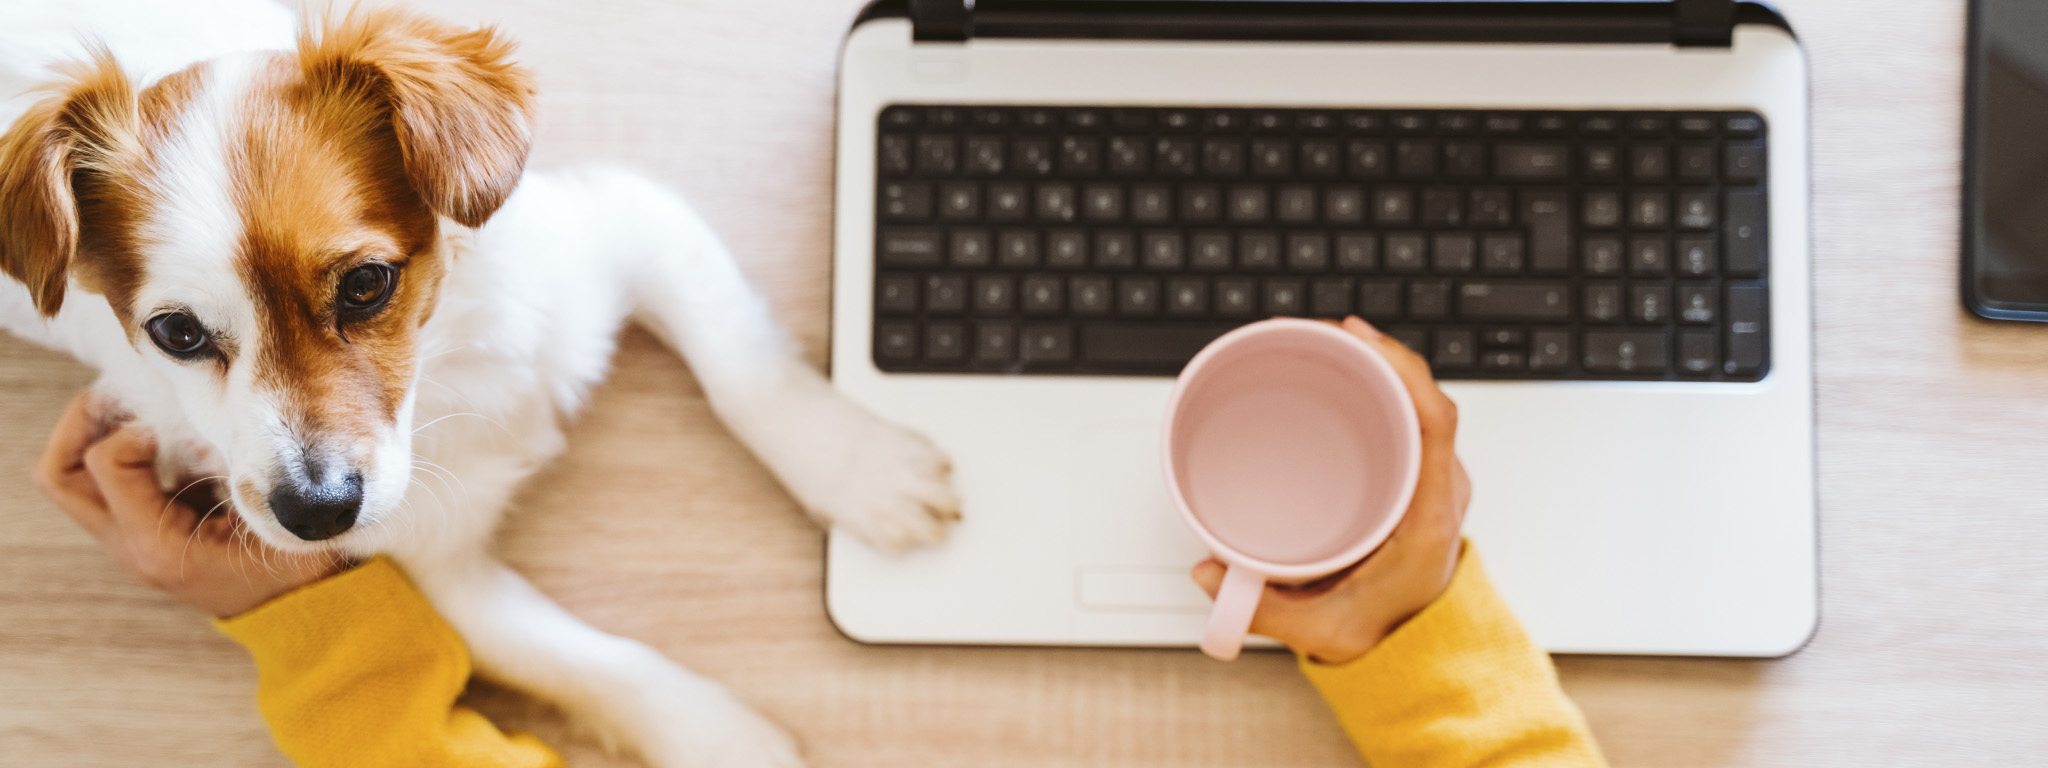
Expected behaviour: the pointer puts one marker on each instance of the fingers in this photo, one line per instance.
(60, 472)
(1437, 414)
(1296, 618)
(124, 467)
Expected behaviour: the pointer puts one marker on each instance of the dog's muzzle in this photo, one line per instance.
(317, 510)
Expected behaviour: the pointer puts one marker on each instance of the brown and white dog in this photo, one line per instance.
(299, 253)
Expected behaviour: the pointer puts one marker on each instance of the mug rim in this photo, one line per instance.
(1410, 458)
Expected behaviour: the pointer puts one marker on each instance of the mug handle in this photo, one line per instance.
(1236, 601)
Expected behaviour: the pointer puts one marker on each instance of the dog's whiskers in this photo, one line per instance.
(195, 534)
(164, 513)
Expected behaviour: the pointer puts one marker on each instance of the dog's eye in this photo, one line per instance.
(366, 288)
(178, 334)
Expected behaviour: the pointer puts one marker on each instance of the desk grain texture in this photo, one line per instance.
(657, 525)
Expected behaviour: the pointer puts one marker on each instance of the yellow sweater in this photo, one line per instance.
(359, 671)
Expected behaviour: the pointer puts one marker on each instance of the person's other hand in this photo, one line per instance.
(1340, 617)
(103, 475)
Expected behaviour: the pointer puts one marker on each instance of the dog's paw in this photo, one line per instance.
(884, 484)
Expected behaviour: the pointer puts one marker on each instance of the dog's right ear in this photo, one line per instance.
(85, 126)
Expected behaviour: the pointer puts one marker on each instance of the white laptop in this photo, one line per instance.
(1592, 217)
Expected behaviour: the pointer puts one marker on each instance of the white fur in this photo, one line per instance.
(524, 329)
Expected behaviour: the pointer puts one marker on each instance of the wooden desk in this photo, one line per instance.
(1933, 435)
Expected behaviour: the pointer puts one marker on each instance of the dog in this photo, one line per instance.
(301, 253)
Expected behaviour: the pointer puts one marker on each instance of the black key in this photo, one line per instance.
(1696, 162)
(1650, 304)
(1007, 202)
(1080, 155)
(1379, 299)
(1116, 249)
(1514, 301)
(1696, 209)
(1357, 252)
(1649, 210)
(894, 155)
(1649, 123)
(1454, 254)
(1415, 158)
(1017, 248)
(1531, 160)
(960, 201)
(986, 155)
(1330, 297)
(970, 248)
(1223, 157)
(1638, 353)
(1547, 214)
(1695, 125)
(1272, 157)
(1209, 251)
(1490, 207)
(1344, 205)
(1102, 203)
(1295, 204)
(1248, 204)
(906, 201)
(1649, 162)
(945, 342)
(1696, 255)
(938, 155)
(1036, 119)
(1127, 156)
(1743, 234)
(1201, 203)
(1137, 296)
(1457, 122)
(896, 294)
(1443, 207)
(1601, 256)
(1601, 161)
(1464, 159)
(1163, 251)
(988, 118)
(995, 343)
(1032, 156)
(1405, 253)
(1746, 340)
(1602, 209)
(1066, 249)
(1058, 203)
(1649, 255)
(1698, 353)
(1429, 299)
(1698, 304)
(1086, 119)
(1157, 347)
(1175, 157)
(1599, 125)
(1321, 158)
(942, 117)
(1092, 296)
(1187, 297)
(1151, 203)
(1504, 124)
(1285, 296)
(1744, 161)
(1048, 345)
(896, 340)
(1237, 297)
(1258, 251)
(1413, 338)
(1044, 295)
(1601, 303)
(1308, 253)
(1503, 361)
(1504, 338)
(1393, 205)
(1550, 351)
(1742, 125)
(1501, 254)
(994, 295)
(1409, 122)
(1367, 159)
(909, 247)
(1455, 350)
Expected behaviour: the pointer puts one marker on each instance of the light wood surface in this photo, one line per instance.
(1933, 646)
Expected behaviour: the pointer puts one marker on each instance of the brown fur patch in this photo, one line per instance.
(83, 138)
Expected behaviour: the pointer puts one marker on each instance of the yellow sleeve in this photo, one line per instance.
(1459, 684)
(358, 670)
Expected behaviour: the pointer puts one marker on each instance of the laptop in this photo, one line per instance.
(1591, 217)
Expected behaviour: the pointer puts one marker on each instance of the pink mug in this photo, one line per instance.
(1292, 449)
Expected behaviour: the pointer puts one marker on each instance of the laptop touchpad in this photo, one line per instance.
(1121, 514)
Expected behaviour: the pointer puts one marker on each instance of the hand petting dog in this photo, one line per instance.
(103, 474)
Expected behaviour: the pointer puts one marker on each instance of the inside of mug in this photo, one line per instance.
(1293, 449)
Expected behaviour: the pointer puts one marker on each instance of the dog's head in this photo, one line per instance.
(266, 229)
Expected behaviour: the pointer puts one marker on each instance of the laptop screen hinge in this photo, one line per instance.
(941, 20)
(1703, 23)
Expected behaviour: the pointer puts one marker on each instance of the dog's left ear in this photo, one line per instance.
(462, 111)
(85, 128)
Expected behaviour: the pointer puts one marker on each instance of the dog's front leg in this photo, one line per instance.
(670, 716)
(887, 485)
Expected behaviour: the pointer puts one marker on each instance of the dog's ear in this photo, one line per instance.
(461, 110)
(87, 125)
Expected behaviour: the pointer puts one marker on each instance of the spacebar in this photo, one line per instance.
(1145, 347)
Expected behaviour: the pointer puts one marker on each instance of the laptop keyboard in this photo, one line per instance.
(1500, 245)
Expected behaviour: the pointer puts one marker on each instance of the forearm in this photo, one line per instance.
(1460, 684)
(358, 670)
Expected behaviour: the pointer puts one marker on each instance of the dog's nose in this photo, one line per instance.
(314, 510)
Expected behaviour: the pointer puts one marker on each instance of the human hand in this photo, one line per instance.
(1340, 617)
(103, 474)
